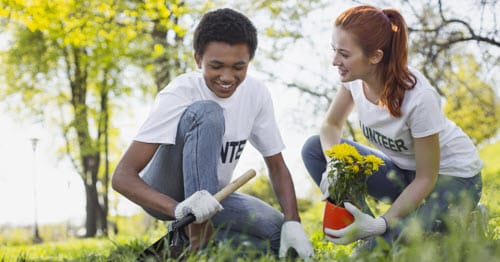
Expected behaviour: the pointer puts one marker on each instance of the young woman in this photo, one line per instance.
(430, 163)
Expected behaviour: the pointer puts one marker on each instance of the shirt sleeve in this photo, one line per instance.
(427, 117)
(265, 136)
(161, 124)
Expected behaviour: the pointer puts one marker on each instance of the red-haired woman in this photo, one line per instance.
(431, 165)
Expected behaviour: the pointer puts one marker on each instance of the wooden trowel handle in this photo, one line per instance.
(223, 193)
(233, 186)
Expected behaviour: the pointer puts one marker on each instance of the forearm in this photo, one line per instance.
(329, 135)
(427, 153)
(336, 116)
(285, 193)
(410, 199)
(132, 187)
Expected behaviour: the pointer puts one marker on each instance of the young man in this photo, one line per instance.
(189, 145)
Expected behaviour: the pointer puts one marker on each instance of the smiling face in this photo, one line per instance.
(350, 59)
(224, 67)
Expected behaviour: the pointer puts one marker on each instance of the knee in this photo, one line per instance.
(206, 107)
(207, 112)
(312, 144)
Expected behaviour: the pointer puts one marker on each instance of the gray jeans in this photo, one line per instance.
(389, 181)
(191, 164)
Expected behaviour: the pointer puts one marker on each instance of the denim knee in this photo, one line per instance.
(204, 114)
(206, 109)
(313, 158)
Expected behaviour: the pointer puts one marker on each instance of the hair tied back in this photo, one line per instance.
(388, 14)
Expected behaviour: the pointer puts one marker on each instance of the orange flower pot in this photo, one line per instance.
(336, 217)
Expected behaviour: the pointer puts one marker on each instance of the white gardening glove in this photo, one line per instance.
(201, 204)
(294, 236)
(363, 226)
(325, 184)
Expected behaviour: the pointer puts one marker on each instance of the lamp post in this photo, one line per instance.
(36, 237)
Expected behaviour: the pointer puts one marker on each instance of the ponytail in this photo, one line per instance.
(397, 76)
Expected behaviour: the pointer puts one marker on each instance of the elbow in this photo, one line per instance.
(327, 127)
(116, 182)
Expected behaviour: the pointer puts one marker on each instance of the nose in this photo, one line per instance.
(226, 76)
(335, 61)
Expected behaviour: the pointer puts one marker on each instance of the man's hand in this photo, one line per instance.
(363, 226)
(294, 236)
(201, 204)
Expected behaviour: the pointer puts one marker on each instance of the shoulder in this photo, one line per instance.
(183, 83)
(254, 84)
(254, 89)
(423, 98)
(423, 89)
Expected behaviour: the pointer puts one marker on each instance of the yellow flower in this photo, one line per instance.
(375, 161)
(349, 168)
(343, 152)
(355, 168)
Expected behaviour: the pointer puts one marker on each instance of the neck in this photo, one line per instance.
(373, 88)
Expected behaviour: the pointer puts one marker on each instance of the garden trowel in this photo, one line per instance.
(175, 242)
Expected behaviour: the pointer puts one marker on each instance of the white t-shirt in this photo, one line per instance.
(248, 114)
(421, 116)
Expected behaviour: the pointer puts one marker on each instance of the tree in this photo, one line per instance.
(437, 33)
(73, 57)
(471, 102)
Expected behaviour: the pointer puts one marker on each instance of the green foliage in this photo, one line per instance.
(73, 58)
(491, 180)
(471, 103)
(24, 235)
(347, 173)
(260, 187)
(467, 241)
(15, 236)
(76, 250)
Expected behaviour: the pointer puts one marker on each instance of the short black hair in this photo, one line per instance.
(225, 25)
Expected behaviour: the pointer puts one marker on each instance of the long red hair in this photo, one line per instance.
(383, 29)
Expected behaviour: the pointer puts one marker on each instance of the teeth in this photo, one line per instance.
(226, 86)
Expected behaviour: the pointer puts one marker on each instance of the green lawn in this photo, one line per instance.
(468, 241)
(474, 240)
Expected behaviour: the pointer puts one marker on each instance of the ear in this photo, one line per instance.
(197, 58)
(377, 56)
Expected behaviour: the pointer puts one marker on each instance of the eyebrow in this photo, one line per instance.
(339, 49)
(217, 62)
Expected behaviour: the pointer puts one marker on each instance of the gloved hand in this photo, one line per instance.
(324, 184)
(363, 226)
(294, 236)
(201, 204)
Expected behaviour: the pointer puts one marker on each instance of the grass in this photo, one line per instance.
(466, 241)
(474, 240)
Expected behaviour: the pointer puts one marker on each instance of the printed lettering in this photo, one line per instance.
(380, 139)
(401, 144)
(235, 147)
(241, 146)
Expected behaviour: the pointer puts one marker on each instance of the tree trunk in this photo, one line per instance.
(91, 210)
(88, 147)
